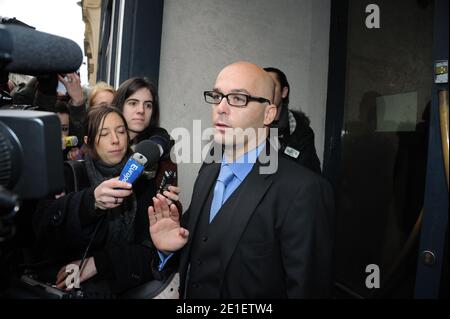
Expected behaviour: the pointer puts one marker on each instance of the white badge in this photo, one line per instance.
(291, 152)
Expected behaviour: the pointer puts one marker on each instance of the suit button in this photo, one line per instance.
(57, 216)
(195, 285)
(204, 238)
(199, 262)
(135, 276)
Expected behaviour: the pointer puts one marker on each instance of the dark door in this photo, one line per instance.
(378, 122)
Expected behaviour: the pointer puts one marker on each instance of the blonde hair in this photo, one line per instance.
(97, 88)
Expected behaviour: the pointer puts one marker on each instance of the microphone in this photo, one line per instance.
(27, 51)
(70, 141)
(146, 153)
(164, 144)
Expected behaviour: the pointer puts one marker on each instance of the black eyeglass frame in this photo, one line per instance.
(248, 97)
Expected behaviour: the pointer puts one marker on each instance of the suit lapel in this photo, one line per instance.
(205, 181)
(253, 189)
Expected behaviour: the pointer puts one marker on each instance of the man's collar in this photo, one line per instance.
(243, 165)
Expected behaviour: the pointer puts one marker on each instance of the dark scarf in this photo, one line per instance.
(120, 220)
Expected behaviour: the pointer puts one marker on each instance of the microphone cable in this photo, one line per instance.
(102, 218)
(77, 293)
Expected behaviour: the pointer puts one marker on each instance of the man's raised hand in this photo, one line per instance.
(167, 234)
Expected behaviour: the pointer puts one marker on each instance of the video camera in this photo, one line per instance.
(31, 162)
(30, 154)
(31, 165)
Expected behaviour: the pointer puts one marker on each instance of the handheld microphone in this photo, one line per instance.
(146, 153)
(27, 51)
(164, 144)
(133, 168)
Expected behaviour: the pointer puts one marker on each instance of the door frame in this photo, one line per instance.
(435, 217)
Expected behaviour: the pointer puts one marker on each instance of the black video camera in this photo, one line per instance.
(31, 163)
(30, 153)
(30, 142)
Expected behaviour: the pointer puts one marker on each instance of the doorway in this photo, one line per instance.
(378, 118)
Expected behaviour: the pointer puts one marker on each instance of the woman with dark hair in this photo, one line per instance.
(138, 100)
(108, 216)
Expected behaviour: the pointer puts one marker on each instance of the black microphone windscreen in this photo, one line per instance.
(150, 150)
(35, 52)
(162, 141)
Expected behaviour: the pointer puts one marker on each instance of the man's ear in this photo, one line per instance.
(270, 114)
(85, 140)
(285, 92)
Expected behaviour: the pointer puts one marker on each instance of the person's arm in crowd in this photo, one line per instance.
(72, 83)
(71, 219)
(77, 107)
(58, 226)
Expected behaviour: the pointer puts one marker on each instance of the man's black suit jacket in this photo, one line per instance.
(280, 241)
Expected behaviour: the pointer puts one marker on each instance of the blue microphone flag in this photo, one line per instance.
(133, 168)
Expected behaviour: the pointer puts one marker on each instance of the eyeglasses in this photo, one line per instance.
(234, 99)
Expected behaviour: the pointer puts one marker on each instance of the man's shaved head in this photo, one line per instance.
(231, 122)
(254, 76)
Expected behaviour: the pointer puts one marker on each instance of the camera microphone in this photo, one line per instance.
(27, 51)
(146, 153)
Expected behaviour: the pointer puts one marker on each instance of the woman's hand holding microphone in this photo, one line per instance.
(111, 193)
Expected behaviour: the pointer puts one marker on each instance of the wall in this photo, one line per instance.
(91, 17)
(200, 37)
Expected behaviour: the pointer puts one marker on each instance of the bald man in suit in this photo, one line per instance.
(271, 235)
